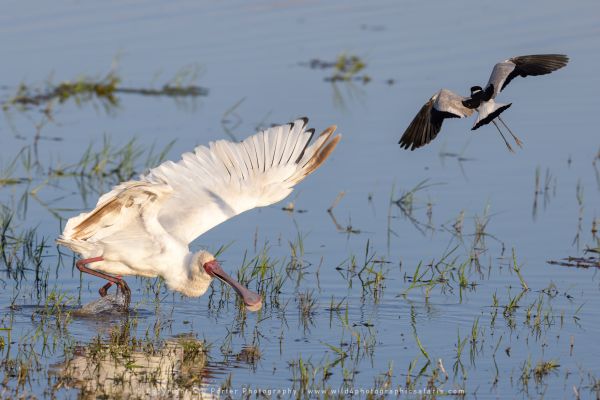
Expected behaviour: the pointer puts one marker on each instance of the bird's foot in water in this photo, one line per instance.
(122, 297)
(126, 294)
(122, 289)
(104, 289)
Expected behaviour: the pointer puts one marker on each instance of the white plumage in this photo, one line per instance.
(144, 227)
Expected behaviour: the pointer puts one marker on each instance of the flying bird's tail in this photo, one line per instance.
(487, 112)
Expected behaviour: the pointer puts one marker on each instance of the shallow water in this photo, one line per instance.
(257, 54)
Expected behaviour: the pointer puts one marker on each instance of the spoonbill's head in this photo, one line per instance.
(210, 268)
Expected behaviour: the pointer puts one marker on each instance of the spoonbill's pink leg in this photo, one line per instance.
(111, 279)
(104, 289)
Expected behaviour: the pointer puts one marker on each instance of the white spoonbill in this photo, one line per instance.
(446, 104)
(144, 227)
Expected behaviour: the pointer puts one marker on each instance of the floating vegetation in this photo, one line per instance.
(346, 70)
(81, 90)
(577, 262)
(591, 257)
(544, 368)
(290, 207)
(346, 67)
(104, 90)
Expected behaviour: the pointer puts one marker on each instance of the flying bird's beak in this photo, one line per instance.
(252, 300)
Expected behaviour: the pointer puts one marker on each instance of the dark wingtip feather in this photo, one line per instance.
(304, 120)
(539, 64)
(311, 131)
(534, 65)
(424, 127)
(417, 132)
(320, 154)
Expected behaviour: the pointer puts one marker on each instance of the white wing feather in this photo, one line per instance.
(177, 202)
(217, 182)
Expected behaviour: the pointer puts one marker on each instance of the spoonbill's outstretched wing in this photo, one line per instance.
(177, 202)
(124, 225)
(428, 121)
(217, 182)
(531, 65)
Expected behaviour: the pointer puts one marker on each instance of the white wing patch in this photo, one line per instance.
(446, 100)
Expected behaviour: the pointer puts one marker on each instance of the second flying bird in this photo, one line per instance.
(447, 104)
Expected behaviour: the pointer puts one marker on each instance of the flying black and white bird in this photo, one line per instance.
(447, 104)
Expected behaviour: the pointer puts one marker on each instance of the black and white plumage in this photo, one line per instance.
(428, 122)
(446, 104)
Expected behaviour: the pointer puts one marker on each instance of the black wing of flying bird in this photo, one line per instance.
(428, 121)
(531, 65)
